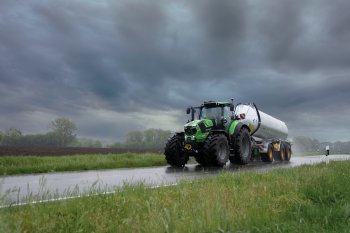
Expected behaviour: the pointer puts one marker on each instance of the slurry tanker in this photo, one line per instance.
(219, 132)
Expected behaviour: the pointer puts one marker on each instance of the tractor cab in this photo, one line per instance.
(220, 113)
(205, 118)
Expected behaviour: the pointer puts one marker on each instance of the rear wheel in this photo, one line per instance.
(268, 157)
(243, 147)
(288, 152)
(280, 155)
(174, 154)
(215, 150)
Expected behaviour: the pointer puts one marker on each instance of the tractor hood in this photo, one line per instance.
(198, 130)
(207, 123)
(193, 123)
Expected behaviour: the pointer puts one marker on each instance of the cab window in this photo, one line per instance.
(227, 112)
(211, 113)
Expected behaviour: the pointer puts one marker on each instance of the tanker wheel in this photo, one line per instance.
(174, 154)
(243, 147)
(280, 155)
(268, 157)
(288, 154)
(215, 150)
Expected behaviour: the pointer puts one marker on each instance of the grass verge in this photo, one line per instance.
(10, 165)
(313, 198)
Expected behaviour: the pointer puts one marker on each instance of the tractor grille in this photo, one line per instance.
(190, 131)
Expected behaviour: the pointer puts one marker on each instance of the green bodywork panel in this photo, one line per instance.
(199, 136)
(245, 122)
(232, 126)
(207, 123)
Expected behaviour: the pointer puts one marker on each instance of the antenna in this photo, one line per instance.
(232, 108)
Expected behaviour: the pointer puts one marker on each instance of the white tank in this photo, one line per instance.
(270, 127)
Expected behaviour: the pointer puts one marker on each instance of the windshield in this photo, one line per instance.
(214, 113)
(211, 113)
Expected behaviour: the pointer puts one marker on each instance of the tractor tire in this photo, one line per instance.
(243, 148)
(288, 154)
(200, 159)
(174, 153)
(280, 155)
(235, 160)
(268, 157)
(215, 150)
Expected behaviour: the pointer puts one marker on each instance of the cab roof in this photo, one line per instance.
(214, 103)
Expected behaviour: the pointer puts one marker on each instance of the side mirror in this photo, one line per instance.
(188, 110)
(232, 107)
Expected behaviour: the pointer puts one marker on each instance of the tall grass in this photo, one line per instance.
(306, 199)
(10, 165)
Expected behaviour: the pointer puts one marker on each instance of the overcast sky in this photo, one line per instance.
(113, 66)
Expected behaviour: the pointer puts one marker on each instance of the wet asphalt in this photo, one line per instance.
(39, 187)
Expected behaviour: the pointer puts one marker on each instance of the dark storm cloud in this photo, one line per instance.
(221, 30)
(304, 35)
(71, 57)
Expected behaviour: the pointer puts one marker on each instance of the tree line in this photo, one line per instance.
(62, 133)
(147, 139)
(306, 144)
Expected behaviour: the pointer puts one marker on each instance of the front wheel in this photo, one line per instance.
(174, 154)
(200, 159)
(216, 150)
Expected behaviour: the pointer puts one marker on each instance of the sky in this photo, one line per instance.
(112, 66)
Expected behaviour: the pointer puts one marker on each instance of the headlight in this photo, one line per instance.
(190, 131)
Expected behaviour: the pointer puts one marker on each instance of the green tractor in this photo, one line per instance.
(213, 137)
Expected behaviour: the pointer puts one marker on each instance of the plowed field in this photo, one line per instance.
(57, 151)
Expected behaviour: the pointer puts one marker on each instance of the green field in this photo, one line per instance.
(10, 165)
(318, 153)
(313, 198)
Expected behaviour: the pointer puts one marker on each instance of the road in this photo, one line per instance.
(25, 188)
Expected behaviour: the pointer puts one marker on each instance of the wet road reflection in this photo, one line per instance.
(14, 189)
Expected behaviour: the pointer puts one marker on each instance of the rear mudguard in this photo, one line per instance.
(234, 129)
